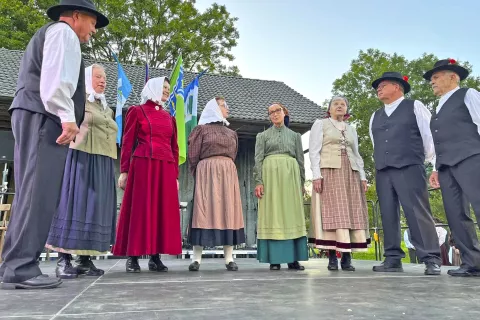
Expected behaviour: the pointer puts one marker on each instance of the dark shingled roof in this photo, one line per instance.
(247, 98)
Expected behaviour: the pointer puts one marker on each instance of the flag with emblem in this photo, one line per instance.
(176, 107)
(124, 88)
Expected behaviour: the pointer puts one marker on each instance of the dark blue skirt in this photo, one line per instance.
(86, 215)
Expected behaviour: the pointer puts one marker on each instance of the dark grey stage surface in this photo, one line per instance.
(254, 292)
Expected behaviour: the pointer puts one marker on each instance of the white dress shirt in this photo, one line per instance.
(408, 244)
(472, 101)
(442, 235)
(315, 146)
(60, 71)
(423, 121)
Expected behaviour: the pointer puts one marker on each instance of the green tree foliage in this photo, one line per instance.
(436, 205)
(19, 20)
(153, 30)
(355, 84)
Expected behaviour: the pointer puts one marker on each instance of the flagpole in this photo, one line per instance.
(147, 68)
(202, 73)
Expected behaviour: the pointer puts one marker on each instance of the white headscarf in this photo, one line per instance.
(92, 95)
(212, 113)
(153, 90)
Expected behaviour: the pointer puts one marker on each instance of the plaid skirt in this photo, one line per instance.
(343, 201)
(339, 215)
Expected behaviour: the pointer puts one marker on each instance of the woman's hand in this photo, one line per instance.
(365, 185)
(178, 185)
(122, 180)
(259, 191)
(318, 185)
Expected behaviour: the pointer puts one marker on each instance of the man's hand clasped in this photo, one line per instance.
(69, 132)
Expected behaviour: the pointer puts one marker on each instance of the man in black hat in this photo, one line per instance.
(455, 127)
(402, 141)
(46, 112)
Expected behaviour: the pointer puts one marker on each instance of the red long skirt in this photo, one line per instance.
(149, 221)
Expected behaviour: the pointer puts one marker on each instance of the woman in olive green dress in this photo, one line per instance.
(279, 176)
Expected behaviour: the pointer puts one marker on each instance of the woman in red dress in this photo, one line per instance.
(149, 222)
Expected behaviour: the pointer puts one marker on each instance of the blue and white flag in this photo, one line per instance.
(123, 91)
(191, 105)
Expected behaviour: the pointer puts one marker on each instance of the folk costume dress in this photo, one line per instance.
(279, 167)
(339, 215)
(149, 222)
(217, 218)
(85, 219)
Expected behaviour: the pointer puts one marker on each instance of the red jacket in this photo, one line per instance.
(149, 133)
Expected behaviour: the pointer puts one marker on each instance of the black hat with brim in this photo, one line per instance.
(393, 76)
(54, 12)
(447, 65)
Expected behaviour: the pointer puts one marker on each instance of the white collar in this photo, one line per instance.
(449, 93)
(395, 103)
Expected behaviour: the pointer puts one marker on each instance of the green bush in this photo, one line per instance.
(370, 254)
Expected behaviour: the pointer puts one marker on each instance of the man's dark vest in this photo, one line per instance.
(27, 96)
(397, 138)
(454, 133)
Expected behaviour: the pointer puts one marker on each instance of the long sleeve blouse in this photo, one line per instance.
(278, 141)
(316, 144)
(211, 140)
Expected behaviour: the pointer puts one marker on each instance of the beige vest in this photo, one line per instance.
(98, 132)
(330, 155)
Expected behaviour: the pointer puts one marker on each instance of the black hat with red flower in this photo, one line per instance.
(393, 76)
(447, 64)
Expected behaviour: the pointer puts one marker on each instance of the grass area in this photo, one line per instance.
(370, 254)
